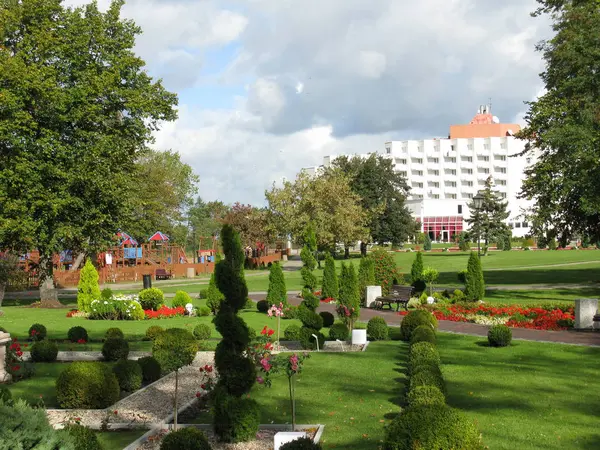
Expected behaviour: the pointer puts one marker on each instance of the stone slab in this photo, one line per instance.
(371, 294)
(585, 310)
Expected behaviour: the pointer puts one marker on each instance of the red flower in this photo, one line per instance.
(264, 330)
(81, 341)
(270, 332)
(203, 386)
(198, 394)
(26, 345)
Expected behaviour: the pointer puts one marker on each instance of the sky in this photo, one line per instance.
(267, 87)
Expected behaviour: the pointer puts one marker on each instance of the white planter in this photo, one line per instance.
(372, 292)
(430, 300)
(359, 337)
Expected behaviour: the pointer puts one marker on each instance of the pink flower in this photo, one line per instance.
(260, 380)
(265, 364)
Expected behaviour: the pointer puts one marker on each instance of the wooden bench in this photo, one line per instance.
(400, 295)
(162, 274)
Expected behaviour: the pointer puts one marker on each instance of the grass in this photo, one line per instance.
(117, 440)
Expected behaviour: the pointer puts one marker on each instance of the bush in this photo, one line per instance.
(202, 331)
(304, 443)
(328, 318)
(307, 341)
(423, 333)
(129, 375)
(386, 273)
(416, 271)
(427, 376)
(331, 286)
(458, 295)
(499, 336)
(106, 294)
(437, 427)
(414, 319)
(366, 275)
(249, 304)
(426, 395)
(44, 351)
(310, 319)
(339, 331)
(153, 331)
(422, 353)
(463, 243)
(84, 437)
(188, 438)
(88, 288)
(5, 394)
(76, 334)
(276, 292)
(377, 329)
(174, 348)
(87, 385)
(235, 419)
(427, 243)
(462, 276)
(204, 311)
(114, 349)
(203, 294)
(262, 306)
(181, 298)
(152, 298)
(37, 332)
(292, 333)
(114, 333)
(474, 283)
(214, 297)
(290, 312)
(150, 369)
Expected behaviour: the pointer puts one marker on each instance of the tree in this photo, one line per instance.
(331, 288)
(349, 301)
(366, 274)
(383, 193)
(416, 270)
(9, 267)
(463, 242)
(88, 288)
(277, 293)
(77, 110)
(326, 201)
(487, 220)
(563, 125)
(252, 223)
(204, 221)
(474, 283)
(430, 276)
(427, 243)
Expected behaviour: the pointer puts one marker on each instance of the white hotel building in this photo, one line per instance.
(444, 174)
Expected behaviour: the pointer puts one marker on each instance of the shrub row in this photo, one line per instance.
(427, 422)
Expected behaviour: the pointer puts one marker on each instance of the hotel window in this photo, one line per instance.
(450, 159)
(500, 169)
(468, 195)
(404, 173)
(450, 171)
(486, 146)
(451, 196)
(502, 194)
(418, 196)
(400, 161)
(466, 158)
(433, 160)
(433, 172)
(525, 224)
(459, 209)
(466, 171)
(434, 196)
(452, 148)
(481, 182)
(517, 224)
(450, 183)
(416, 160)
(417, 172)
(388, 150)
(417, 185)
(483, 158)
(433, 184)
(483, 170)
(499, 157)
(501, 182)
(467, 183)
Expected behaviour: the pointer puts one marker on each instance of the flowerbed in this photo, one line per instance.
(515, 316)
(164, 312)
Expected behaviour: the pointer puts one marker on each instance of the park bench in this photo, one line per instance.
(162, 274)
(400, 295)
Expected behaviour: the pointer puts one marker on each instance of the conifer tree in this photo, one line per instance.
(349, 301)
(331, 288)
(416, 271)
(88, 288)
(366, 275)
(427, 242)
(277, 292)
(474, 282)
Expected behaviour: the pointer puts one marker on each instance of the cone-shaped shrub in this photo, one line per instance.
(349, 301)
(331, 287)
(366, 275)
(474, 283)
(277, 293)
(88, 288)
(416, 271)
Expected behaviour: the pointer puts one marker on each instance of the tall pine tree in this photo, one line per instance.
(331, 288)
(366, 275)
(349, 301)
(474, 282)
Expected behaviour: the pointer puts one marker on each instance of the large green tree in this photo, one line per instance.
(77, 110)
(563, 125)
(383, 193)
(251, 223)
(205, 220)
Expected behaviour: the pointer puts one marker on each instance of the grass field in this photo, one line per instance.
(117, 440)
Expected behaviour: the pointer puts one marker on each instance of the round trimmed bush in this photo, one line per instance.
(437, 427)
(290, 312)
(76, 334)
(153, 331)
(188, 438)
(339, 331)
(377, 329)
(423, 333)
(249, 304)
(414, 319)
(307, 341)
(292, 333)
(114, 349)
(262, 306)
(129, 375)
(202, 331)
(425, 395)
(422, 353)
(87, 385)
(114, 333)
(304, 443)
(150, 369)
(204, 311)
(310, 318)
(37, 332)
(83, 437)
(328, 318)
(174, 348)
(181, 298)
(44, 351)
(499, 336)
(427, 376)
(152, 298)
(235, 419)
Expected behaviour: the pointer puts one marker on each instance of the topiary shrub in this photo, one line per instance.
(290, 312)
(427, 243)
(249, 304)
(292, 333)
(214, 297)
(44, 351)
(423, 333)
(339, 331)
(88, 288)
(87, 385)
(331, 286)
(386, 273)
(37, 332)
(129, 375)
(152, 298)
(174, 348)
(202, 331)
(153, 331)
(349, 301)
(77, 334)
(474, 282)
(427, 376)
(181, 298)
(307, 341)
(203, 294)
(204, 311)
(277, 292)
(151, 369)
(188, 438)
(366, 275)
(328, 318)
(414, 319)
(84, 437)
(310, 319)
(422, 352)
(236, 419)
(377, 329)
(499, 336)
(432, 427)
(114, 349)
(262, 306)
(304, 443)
(416, 270)
(114, 333)
(426, 395)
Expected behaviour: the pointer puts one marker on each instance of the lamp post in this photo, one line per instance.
(478, 202)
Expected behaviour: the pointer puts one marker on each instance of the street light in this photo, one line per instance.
(478, 203)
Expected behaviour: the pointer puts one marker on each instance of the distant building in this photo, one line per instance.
(445, 173)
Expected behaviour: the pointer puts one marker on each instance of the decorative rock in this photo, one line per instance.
(5, 377)
(430, 300)
(372, 293)
(283, 437)
(189, 308)
(585, 310)
(359, 337)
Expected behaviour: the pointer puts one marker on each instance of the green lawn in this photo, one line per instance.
(117, 440)
(537, 297)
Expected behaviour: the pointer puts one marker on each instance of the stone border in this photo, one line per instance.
(86, 356)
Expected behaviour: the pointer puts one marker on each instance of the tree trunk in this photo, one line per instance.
(78, 261)
(48, 293)
(176, 388)
(2, 290)
(363, 249)
(346, 252)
